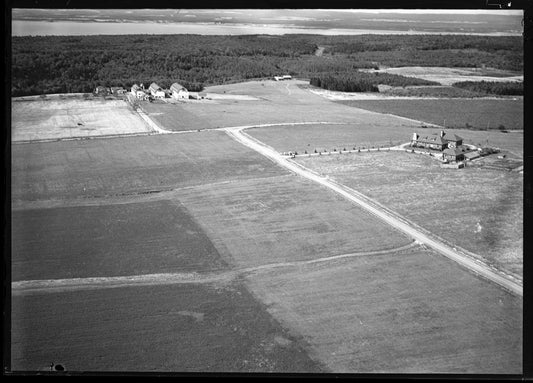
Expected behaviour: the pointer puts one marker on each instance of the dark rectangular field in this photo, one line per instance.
(99, 168)
(480, 113)
(158, 328)
(173, 117)
(109, 240)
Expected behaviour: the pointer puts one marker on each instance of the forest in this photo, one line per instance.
(71, 64)
(364, 82)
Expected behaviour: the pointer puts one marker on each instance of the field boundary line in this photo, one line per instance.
(158, 279)
(371, 206)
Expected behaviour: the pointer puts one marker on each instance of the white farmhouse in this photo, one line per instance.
(138, 92)
(179, 91)
(156, 91)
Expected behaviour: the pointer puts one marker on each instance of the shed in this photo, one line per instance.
(472, 155)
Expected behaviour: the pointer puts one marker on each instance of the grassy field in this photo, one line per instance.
(56, 118)
(299, 138)
(476, 208)
(478, 113)
(414, 312)
(279, 102)
(173, 116)
(448, 76)
(284, 219)
(179, 328)
(91, 168)
(109, 240)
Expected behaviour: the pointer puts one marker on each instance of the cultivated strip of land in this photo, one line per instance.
(59, 285)
(363, 201)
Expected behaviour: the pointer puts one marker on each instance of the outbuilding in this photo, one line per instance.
(453, 154)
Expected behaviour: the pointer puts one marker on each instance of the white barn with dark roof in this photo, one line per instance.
(179, 91)
(156, 91)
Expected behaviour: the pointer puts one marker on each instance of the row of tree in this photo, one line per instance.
(493, 87)
(364, 82)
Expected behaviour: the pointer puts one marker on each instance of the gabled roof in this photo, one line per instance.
(454, 137)
(154, 87)
(433, 139)
(177, 87)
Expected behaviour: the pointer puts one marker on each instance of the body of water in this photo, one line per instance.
(61, 28)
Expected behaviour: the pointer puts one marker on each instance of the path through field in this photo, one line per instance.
(363, 201)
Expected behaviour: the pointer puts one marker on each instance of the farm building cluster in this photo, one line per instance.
(284, 77)
(450, 146)
(154, 91)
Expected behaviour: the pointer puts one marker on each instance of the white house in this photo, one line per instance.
(156, 91)
(179, 91)
(138, 92)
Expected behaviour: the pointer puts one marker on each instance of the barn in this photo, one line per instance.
(156, 91)
(434, 141)
(179, 91)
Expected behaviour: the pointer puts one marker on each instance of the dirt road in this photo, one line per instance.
(374, 208)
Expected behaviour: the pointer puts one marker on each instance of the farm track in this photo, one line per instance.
(62, 285)
(373, 207)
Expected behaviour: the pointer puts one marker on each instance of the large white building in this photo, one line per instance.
(179, 91)
(156, 91)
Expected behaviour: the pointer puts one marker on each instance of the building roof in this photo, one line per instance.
(154, 87)
(453, 151)
(454, 137)
(135, 87)
(473, 154)
(177, 87)
(433, 139)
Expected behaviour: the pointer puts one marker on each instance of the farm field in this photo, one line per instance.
(173, 117)
(284, 219)
(92, 168)
(279, 102)
(299, 138)
(59, 118)
(411, 312)
(478, 209)
(109, 240)
(478, 113)
(448, 76)
(178, 328)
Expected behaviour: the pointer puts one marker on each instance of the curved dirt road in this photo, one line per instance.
(363, 201)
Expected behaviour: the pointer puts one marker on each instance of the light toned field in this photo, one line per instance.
(475, 208)
(448, 76)
(284, 219)
(55, 118)
(310, 137)
(412, 312)
(278, 102)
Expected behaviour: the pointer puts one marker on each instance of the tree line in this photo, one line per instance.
(364, 82)
(65, 64)
(493, 87)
